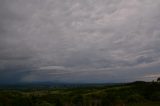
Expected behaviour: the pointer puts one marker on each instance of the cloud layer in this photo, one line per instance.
(79, 40)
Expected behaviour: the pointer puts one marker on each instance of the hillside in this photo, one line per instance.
(132, 94)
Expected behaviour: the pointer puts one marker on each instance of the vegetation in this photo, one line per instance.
(133, 94)
(158, 79)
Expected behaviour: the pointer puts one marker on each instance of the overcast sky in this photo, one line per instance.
(79, 40)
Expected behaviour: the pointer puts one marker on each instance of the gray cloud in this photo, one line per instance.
(84, 40)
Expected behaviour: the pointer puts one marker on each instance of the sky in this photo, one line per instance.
(82, 41)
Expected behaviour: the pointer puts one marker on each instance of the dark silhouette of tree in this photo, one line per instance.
(158, 79)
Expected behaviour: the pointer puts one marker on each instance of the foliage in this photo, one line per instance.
(134, 94)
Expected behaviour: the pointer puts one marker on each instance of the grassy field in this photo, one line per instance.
(133, 94)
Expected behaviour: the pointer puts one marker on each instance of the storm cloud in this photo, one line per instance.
(79, 40)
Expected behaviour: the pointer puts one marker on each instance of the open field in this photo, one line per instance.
(133, 94)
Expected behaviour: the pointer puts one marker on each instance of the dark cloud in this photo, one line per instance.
(58, 40)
